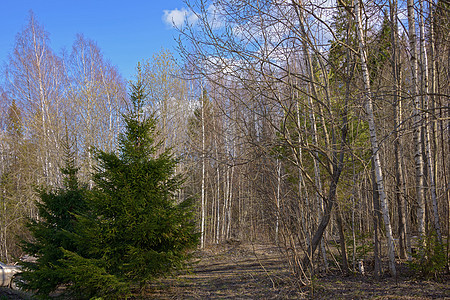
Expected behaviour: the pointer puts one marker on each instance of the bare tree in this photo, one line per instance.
(168, 98)
(96, 95)
(35, 79)
(252, 52)
(374, 140)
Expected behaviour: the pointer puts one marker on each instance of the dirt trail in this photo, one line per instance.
(231, 272)
(260, 272)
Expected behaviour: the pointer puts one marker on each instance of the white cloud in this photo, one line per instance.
(178, 17)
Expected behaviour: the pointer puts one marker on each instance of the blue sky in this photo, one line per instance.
(126, 31)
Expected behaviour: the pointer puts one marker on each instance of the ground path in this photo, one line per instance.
(260, 272)
(232, 272)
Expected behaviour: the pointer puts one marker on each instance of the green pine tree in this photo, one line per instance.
(52, 232)
(136, 230)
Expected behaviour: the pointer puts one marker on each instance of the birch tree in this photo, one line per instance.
(397, 112)
(203, 157)
(168, 98)
(420, 194)
(96, 95)
(374, 140)
(427, 122)
(35, 80)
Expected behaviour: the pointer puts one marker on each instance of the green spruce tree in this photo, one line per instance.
(53, 231)
(136, 229)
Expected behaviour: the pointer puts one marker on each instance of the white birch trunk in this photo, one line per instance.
(225, 204)
(425, 93)
(277, 213)
(230, 204)
(39, 55)
(417, 122)
(397, 112)
(315, 153)
(304, 220)
(203, 204)
(374, 142)
(218, 206)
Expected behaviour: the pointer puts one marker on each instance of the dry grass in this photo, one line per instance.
(260, 272)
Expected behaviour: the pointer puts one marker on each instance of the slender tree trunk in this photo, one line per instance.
(441, 140)
(217, 192)
(226, 191)
(277, 212)
(397, 138)
(407, 210)
(417, 122)
(203, 204)
(312, 92)
(218, 205)
(43, 101)
(315, 154)
(342, 241)
(353, 216)
(230, 202)
(376, 221)
(299, 158)
(331, 200)
(427, 124)
(374, 142)
(336, 168)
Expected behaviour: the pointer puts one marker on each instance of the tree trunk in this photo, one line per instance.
(312, 92)
(400, 199)
(417, 123)
(203, 204)
(342, 242)
(331, 200)
(376, 221)
(374, 142)
(277, 212)
(427, 124)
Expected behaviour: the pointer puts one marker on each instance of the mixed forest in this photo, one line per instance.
(322, 127)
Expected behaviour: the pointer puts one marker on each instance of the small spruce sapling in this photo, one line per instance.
(52, 232)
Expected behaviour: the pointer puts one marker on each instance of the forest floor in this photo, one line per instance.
(233, 271)
(260, 272)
